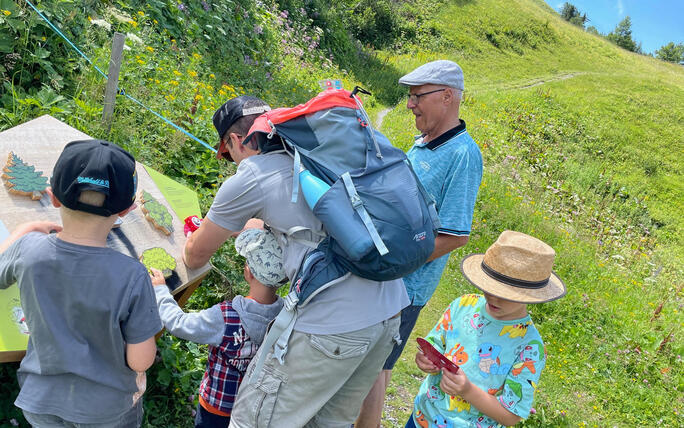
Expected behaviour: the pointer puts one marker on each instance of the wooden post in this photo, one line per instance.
(113, 79)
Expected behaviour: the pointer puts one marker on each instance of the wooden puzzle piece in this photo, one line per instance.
(23, 179)
(158, 258)
(156, 213)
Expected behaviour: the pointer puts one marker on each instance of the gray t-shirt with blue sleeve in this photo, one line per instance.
(82, 305)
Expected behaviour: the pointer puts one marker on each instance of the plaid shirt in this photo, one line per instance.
(227, 363)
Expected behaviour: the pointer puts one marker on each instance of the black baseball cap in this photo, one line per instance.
(231, 111)
(99, 166)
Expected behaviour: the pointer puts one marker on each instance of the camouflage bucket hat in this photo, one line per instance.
(264, 256)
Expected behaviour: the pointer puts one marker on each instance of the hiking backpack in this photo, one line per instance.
(380, 222)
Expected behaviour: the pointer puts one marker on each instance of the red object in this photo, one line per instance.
(436, 357)
(325, 100)
(192, 223)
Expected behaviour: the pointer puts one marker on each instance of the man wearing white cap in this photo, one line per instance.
(449, 165)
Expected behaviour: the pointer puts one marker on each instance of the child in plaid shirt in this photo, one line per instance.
(234, 330)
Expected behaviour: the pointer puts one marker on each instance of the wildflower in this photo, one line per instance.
(212, 76)
(258, 29)
(155, 21)
(207, 8)
(174, 82)
(141, 62)
(141, 13)
(177, 73)
(149, 48)
(181, 7)
(198, 97)
(196, 55)
(192, 73)
(8, 13)
(133, 23)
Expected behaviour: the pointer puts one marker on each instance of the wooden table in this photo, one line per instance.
(39, 143)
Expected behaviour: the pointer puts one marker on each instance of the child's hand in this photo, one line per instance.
(40, 226)
(425, 364)
(157, 277)
(454, 383)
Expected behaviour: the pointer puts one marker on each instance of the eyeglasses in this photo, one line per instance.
(415, 98)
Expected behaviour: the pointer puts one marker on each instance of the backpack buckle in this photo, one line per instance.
(290, 301)
(356, 201)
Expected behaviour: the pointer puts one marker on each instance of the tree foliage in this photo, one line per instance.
(570, 13)
(158, 258)
(23, 179)
(671, 52)
(622, 36)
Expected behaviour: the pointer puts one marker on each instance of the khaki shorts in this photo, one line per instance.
(322, 383)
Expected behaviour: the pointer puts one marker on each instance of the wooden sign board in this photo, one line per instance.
(39, 143)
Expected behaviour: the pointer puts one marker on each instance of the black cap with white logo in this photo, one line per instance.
(99, 166)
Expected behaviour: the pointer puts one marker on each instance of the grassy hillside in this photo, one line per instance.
(582, 143)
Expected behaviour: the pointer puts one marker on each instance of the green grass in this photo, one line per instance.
(582, 144)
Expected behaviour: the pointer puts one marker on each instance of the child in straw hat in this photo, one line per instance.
(491, 338)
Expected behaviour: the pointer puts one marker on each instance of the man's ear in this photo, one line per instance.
(53, 199)
(127, 210)
(235, 139)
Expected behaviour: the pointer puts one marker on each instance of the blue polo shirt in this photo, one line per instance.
(450, 169)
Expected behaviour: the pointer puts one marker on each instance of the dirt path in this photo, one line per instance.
(381, 116)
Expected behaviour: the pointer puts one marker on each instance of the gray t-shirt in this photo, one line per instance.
(82, 305)
(262, 188)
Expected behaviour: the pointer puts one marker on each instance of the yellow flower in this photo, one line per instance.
(141, 13)
(8, 13)
(212, 76)
(196, 55)
(222, 92)
(176, 72)
(192, 73)
(198, 97)
(141, 62)
(43, 38)
(174, 82)
(155, 21)
(149, 48)
(170, 98)
(157, 81)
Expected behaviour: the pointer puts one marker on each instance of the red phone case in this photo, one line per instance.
(436, 357)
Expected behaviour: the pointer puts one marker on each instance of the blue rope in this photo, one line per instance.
(123, 92)
(120, 91)
(65, 38)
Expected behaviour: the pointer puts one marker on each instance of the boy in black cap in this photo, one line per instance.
(91, 310)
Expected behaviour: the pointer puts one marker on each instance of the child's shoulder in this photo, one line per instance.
(467, 300)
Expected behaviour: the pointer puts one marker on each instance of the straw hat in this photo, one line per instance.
(516, 267)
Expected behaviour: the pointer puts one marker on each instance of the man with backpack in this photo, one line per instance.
(341, 338)
(449, 165)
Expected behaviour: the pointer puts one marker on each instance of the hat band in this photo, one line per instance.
(521, 283)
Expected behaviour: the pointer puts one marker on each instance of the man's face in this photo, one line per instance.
(429, 109)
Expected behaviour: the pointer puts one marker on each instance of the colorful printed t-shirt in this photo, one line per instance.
(504, 358)
(450, 169)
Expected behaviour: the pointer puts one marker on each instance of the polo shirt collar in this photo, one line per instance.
(443, 138)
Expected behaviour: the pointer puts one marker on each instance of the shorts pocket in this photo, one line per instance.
(338, 346)
(265, 395)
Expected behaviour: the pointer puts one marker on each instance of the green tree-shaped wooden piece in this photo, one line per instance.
(23, 179)
(156, 213)
(158, 258)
